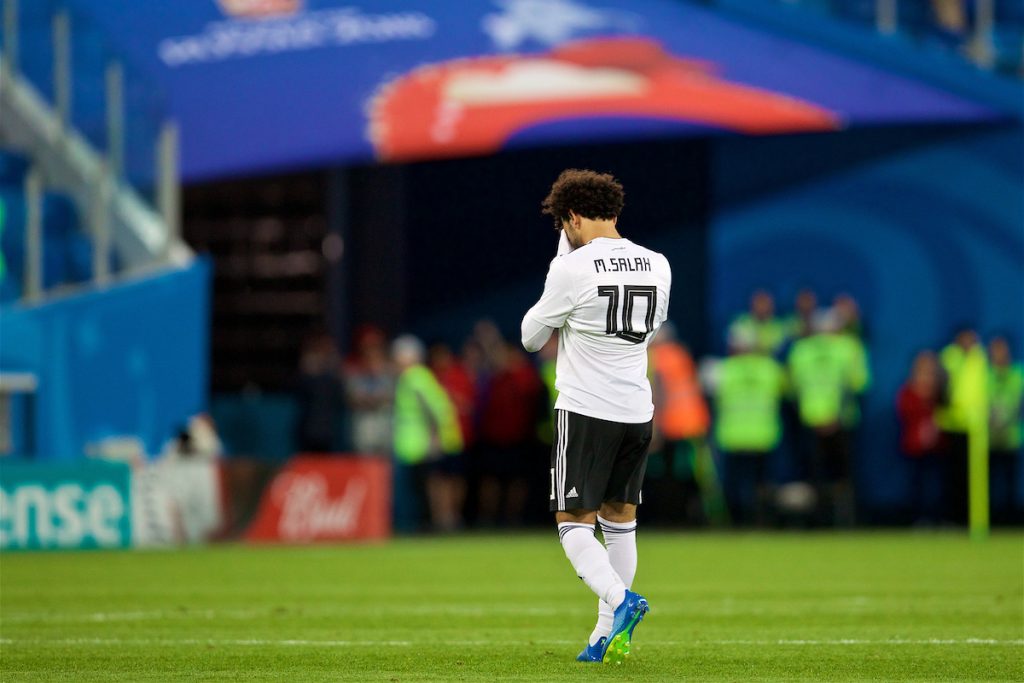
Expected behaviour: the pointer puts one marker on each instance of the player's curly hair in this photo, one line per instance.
(597, 196)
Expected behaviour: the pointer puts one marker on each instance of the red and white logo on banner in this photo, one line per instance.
(325, 499)
(258, 9)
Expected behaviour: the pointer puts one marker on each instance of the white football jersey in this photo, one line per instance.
(607, 298)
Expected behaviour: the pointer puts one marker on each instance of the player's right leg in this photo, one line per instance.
(628, 615)
(619, 532)
(618, 523)
(620, 541)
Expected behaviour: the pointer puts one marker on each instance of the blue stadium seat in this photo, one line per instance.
(12, 244)
(35, 44)
(12, 229)
(1008, 37)
(860, 11)
(60, 217)
(67, 251)
(917, 20)
(13, 168)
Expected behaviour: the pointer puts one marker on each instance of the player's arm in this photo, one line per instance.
(664, 295)
(551, 311)
(535, 334)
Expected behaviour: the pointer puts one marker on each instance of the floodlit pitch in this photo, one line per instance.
(882, 606)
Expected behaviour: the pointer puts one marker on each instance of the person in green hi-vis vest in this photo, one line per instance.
(800, 322)
(760, 324)
(828, 371)
(547, 357)
(748, 393)
(963, 417)
(1005, 387)
(427, 437)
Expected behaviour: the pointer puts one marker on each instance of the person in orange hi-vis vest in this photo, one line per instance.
(681, 422)
(680, 412)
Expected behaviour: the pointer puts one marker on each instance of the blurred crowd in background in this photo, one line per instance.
(767, 436)
(478, 415)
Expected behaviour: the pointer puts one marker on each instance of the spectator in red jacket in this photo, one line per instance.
(458, 383)
(920, 436)
(507, 436)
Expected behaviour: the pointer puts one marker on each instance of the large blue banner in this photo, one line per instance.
(260, 84)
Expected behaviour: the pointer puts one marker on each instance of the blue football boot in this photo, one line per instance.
(627, 616)
(592, 653)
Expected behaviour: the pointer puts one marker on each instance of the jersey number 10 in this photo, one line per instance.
(627, 296)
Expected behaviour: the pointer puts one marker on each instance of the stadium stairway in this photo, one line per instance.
(116, 342)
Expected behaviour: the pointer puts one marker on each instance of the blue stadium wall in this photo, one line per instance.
(926, 238)
(127, 360)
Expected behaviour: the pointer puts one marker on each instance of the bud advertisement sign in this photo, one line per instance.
(326, 499)
(79, 505)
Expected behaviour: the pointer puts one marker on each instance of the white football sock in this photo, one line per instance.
(590, 560)
(620, 540)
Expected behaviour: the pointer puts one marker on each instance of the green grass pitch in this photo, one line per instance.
(724, 607)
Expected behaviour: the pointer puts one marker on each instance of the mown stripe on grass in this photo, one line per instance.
(264, 642)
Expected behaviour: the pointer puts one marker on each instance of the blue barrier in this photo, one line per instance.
(126, 360)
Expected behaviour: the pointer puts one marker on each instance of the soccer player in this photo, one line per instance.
(607, 297)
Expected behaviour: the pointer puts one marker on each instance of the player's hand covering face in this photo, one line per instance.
(572, 232)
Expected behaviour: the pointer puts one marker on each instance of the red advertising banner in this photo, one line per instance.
(317, 498)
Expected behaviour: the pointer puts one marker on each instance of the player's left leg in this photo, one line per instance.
(588, 557)
(590, 560)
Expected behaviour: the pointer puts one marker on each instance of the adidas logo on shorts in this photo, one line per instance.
(572, 493)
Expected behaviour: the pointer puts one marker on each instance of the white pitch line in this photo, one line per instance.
(258, 642)
(726, 608)
(155, 615)
(861, 641)
(160, 615)
(146, 642)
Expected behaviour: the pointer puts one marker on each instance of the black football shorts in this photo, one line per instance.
(596, 461)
